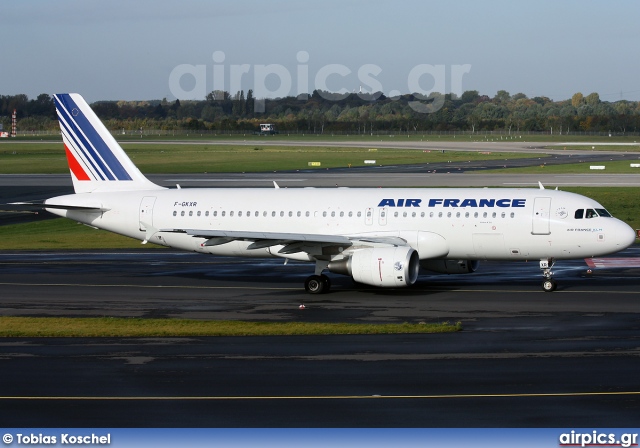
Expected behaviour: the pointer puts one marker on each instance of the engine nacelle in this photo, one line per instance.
(382, 266)
(450, 266)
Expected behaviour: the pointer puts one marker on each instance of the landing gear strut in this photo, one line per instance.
(548, 284)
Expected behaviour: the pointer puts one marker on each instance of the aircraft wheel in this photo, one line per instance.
(549, 285)
(314, 284)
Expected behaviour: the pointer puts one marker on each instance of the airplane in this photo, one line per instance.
(380, 237)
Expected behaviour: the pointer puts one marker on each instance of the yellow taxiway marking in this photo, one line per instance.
(325, 397)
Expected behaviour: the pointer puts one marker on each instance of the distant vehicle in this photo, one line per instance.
(268, 129)
(4, 135)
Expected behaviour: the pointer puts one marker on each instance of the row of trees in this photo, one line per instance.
(325, 112)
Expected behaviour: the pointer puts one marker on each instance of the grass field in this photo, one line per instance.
(60, 234)
(136, 327)
(49, 158)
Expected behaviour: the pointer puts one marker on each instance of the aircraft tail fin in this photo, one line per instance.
(96, 161)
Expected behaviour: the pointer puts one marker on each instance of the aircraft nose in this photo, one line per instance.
(625, 236)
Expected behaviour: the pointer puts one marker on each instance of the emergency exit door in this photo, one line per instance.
(541, 216)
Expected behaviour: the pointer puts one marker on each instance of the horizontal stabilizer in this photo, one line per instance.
(37, 206)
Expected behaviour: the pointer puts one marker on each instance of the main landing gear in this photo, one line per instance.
(548, 284)
(317, 284)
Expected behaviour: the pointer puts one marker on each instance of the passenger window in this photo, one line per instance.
(404, 215)
(431, 215)
(282, 214)
(439, 214)
(175, 213)
(493, 215)
(579, 214)
(484, 215)
(257, 214)
(333, 214)
(342, 214)
(182, 213)
(198, 212)
(475, 215)
(395, 215)
(503, 215)
(513, 215)
(448, 214)
(422, 215)
(413, 215)
(273, 214)
(224, 213)
(206, 213)
(359, 214)
(324, 214)
(215, 213)
(466, 215)
(290, 214)
(350, 214)
(239, 214)
(231, 214)
(191, 213)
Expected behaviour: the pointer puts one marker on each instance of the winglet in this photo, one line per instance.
(541, 186)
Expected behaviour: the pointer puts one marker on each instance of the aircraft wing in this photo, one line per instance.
(292, 242)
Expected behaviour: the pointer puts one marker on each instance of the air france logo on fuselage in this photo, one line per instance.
(506, 202)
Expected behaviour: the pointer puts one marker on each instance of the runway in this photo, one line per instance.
(525, 357)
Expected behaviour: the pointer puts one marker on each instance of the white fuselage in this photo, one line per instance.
(475, 224)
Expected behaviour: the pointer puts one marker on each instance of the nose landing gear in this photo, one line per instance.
(548, 284)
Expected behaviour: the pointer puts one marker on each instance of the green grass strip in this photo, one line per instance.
(136, 327)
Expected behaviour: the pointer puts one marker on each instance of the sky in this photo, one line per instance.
(154, 49)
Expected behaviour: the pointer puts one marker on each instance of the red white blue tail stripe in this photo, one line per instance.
(96, 160)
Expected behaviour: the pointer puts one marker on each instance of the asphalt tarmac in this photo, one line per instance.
(525, 358)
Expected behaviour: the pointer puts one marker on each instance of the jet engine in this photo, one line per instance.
(450, 266)
(381, 266)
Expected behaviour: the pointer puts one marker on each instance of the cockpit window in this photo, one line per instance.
(602, 212)
(592, 213)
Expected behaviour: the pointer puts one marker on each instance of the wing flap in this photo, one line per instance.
(264, 239)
